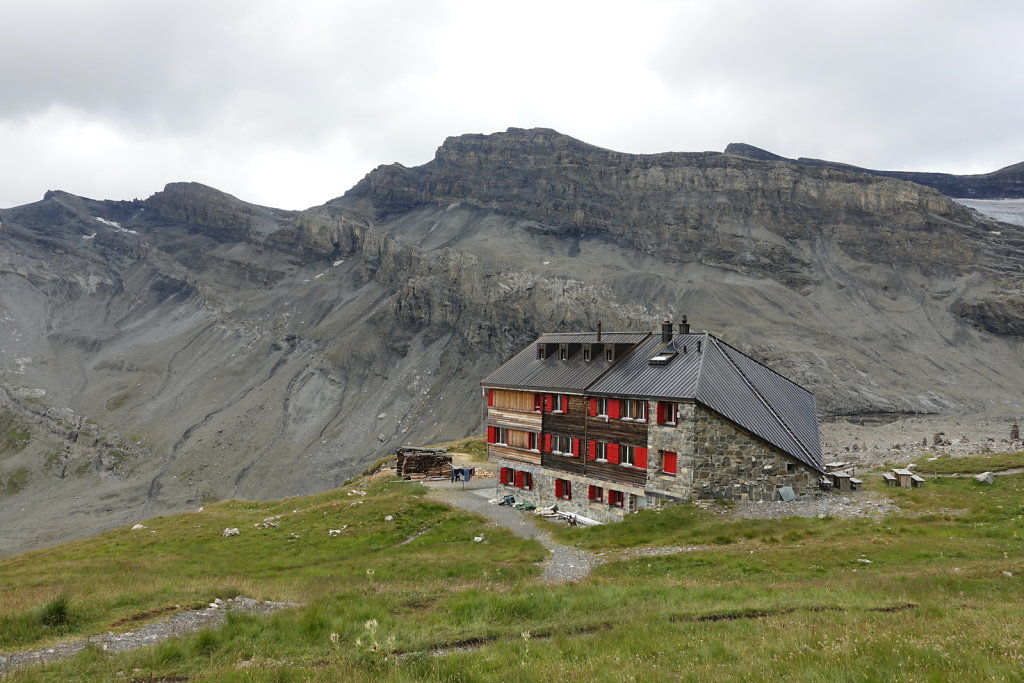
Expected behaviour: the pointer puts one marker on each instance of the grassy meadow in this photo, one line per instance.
(922, 595)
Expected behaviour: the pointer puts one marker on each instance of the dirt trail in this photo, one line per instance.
(181, 623)
(564, 565)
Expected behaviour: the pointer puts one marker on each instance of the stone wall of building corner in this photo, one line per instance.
(543, 495)
(728, 463)
(678, 439)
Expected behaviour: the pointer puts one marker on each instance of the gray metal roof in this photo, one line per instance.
(525, 371)
(591, 337)
(720, 377)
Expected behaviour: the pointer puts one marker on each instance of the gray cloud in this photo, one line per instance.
(290, 103)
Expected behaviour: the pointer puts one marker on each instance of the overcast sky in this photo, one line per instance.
(289, 103)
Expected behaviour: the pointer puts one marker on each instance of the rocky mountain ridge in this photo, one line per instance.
(1004, 183)
(233, 350)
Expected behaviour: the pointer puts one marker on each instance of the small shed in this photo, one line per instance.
(423, 463)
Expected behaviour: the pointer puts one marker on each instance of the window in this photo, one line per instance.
(532, 443)
(563, 489)
(602, 406)
(517, 478)
(634, 410)
(669, 462)
(563, 353)
(601, 451)
(565, 445)
(595, 493)
(540, 352)
(586, 353)
(626, 455)
(501, 435)
(616, 498)
(666, 413)
(524, 480)
(560, 404)
(609, 355)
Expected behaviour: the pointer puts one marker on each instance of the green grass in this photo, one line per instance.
(764, 599)
(475, 447)
(13, 481)
(14, 435)
(974, 464)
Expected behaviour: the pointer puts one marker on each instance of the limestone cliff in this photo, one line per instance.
(226, 349)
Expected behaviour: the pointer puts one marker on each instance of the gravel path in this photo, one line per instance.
(564, 565)
(179, 624)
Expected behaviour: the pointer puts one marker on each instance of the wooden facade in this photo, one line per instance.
(617, 431)
(530, 422)
(513, 454)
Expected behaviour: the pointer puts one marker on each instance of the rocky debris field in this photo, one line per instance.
(901, 442)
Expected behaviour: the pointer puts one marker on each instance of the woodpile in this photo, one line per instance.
(424, 463)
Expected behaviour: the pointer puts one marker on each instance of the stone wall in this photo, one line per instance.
(543, 494)
(729, 463)
(680, 439)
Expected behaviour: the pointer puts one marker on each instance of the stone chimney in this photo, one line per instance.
(666, 331)
(684, 327)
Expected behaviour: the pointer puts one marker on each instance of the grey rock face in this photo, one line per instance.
(199, 347)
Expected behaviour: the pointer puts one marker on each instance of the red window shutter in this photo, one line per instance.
(593, 407)
(640, 458)
(591, 490)
(565, 403)
(670, 463)
(519, 479)
(503, 474)
(568, 490)
(591, 450)
(490, 398)
(528, 480)
(613, 453)
(661, 412)
(575, 448)
(549, 402)
(547, 443)
(536, 402)
(492, 435)
(559, 488)
(614, 408)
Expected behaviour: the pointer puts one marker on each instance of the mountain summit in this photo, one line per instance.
(193, 346)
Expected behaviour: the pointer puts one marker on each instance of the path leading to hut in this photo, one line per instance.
(564, 565)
